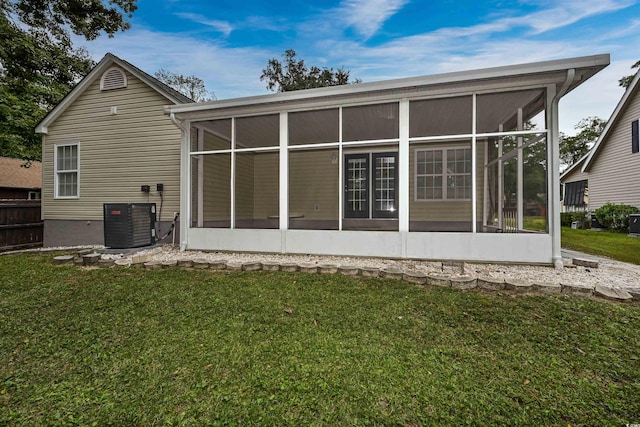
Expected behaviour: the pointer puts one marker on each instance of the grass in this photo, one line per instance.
(175, 347)
(534, 223)
(610, 244)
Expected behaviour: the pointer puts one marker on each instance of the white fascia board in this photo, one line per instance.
(614, 116)
(595, 61)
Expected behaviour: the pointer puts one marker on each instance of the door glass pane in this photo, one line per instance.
(385, 185)
(357, 200)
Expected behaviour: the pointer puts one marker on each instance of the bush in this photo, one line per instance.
(615, 217)
(566, 218)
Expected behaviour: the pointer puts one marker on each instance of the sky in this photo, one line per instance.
(227, 43)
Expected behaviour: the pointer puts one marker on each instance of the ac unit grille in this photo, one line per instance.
(129, 225)
(634, 224)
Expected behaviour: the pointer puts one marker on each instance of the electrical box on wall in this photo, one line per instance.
(129, 225)
(145, 188)
(159, 188)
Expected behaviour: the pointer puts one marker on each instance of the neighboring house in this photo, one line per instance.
(575, 187)
(20, 179)
(612, 166)
(432, 167)
(104, 141)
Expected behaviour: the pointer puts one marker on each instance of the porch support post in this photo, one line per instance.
(500, 183)
(185, 181)
(553, 174)
(200, 203)
(403, 169)
(233, 173)
(341, 167)
(520, 191)
(485, 187)
(474, 159)
(284, 174)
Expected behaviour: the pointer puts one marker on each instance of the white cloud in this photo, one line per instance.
(367, 16)
(220, 26)
(229, 72)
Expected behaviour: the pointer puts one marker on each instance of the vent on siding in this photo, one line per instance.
(113, 78)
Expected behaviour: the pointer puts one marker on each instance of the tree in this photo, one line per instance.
(190, 86)
(572, 148)
(293, 74)
(38, 63)
(626, 80)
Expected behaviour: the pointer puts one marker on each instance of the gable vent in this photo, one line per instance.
(113, 78)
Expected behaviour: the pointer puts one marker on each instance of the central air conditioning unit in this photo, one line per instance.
(129, 225)
(634, 224)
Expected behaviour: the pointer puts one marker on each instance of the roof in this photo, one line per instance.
(571, 168)
(105, 63)
(14, 173)
(627, 97)
(585, 67)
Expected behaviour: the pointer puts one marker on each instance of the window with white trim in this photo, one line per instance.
(443, 174)
(67, 166)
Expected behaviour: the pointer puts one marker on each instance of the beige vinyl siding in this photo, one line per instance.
(578, 175)
(313, 180)
(118, 153)
(445, 210)
(614, 175)
(266, 185)
(216, 198)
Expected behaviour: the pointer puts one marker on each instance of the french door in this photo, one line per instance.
(371, 185)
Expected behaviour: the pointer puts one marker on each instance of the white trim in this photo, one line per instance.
(404, 172)
(56, 172)
(589, 63)
(613, 119)
(474, 159)
(284, 173)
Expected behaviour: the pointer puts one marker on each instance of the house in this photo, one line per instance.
(432, 167)
(20, 179)
(575, 187)
(612, 166)
(102, 143)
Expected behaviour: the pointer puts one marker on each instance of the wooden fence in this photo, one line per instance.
(20, 224)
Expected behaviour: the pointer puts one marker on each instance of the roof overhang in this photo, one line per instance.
(521, 76)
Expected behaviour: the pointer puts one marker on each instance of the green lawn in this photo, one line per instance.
(610, 244)
(173, 347)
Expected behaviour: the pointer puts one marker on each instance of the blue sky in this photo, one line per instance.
(227, 43)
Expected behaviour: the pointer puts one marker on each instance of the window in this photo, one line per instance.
(67, 166)
(443, 174)
(635, 143)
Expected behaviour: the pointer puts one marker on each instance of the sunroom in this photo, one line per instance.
(458, 166)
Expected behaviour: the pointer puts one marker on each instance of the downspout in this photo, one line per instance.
(184, 187)
(554, 166)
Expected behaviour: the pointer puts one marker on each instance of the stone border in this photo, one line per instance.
(90, 258)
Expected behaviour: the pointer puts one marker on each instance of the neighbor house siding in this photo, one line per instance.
(575, 175)
(614, 175)
(139, 145)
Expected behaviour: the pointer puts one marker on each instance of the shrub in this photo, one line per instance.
(566, 218)
(615, 217)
